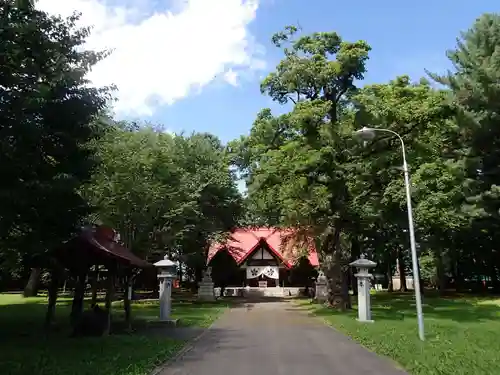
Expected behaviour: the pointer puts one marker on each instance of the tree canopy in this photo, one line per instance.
(67, 162)
(49, 116)
(305, 170)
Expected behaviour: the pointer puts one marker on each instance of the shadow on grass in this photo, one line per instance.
(26, 349)
(112, 355)
(400, 306)
(25, 317)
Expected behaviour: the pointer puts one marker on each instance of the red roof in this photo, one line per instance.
(97, 241)
(244, 241)
(103, 243)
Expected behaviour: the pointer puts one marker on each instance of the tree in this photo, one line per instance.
(418, 113)
(297, 164)
(475, 93)
(48, 118)
(164, 192)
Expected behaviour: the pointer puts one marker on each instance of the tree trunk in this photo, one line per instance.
(390, 285)
(355, 254)
(402, 271)
(198, 274)
(77, 305)
(422, 288)
(354, 282)
(180, 272)
(53, 292)
(31, 289)
(454, 275)
(493, 272)
(345, 289)
(440, 273)
(495, 284)
(338, 293)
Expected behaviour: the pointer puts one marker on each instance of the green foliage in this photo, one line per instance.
(66, 159)
(297, 164)
(164, 192)
(304, 170)
(474, 93)
(48, 117)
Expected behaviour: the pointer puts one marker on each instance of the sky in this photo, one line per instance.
(195, 65)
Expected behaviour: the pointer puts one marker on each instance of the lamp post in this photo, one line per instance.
(368, 134)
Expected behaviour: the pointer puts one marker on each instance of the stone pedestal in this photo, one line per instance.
(364, 285)
(165, 299)
(206, 291)
(321, 292)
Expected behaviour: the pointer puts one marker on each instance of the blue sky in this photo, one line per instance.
(195, 65)
(406, 37)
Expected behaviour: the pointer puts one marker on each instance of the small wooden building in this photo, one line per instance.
(96, 249)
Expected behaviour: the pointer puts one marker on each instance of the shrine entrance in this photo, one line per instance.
(262, 280)
(262, 268)
(258, 261)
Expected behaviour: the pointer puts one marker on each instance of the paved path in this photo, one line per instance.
(274, 338)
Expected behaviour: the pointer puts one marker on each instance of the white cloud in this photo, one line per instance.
(160, 57)
(231, 77)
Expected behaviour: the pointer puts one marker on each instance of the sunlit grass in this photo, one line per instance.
(461, 333)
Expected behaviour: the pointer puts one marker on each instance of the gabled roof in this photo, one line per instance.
(100, 241)
(242, 242)
(104, 243)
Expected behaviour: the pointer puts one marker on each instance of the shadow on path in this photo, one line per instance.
(272, 338)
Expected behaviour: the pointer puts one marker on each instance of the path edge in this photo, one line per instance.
(188, 346)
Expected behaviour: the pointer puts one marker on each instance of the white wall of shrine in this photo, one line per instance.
(260, 292)
(261, 254)
(268, 267)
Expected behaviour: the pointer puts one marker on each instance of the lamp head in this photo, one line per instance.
(365, 133)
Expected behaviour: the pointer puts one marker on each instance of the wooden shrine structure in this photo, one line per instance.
(263, 258)
(96, 249)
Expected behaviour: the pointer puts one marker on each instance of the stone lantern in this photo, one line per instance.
(167, 273)
(364, 282)
(321, 292)
(206, 291)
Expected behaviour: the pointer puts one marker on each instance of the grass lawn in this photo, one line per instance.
(462, 333)
(25, 350)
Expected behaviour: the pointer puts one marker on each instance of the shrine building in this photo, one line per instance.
(262, 258)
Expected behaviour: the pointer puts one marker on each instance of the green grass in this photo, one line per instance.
(462, 333)
(26, 350)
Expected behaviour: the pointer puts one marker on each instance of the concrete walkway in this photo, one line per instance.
(275, 338)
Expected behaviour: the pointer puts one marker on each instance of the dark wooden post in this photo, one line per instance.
(77, 305)
(110, 292)
(127, 295)
(55, 277)
(95, 281)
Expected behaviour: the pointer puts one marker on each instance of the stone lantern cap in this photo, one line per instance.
(166, 267)
(165, 262)
(363, 263)
(321, 278)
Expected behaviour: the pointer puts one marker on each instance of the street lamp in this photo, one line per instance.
(367, 134)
